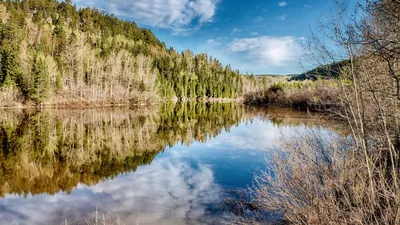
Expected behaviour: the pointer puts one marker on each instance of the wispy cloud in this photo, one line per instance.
(274, 51)
(180, 16)
(307, 6)
(213, 42)
(258, 19)
(236, 30)
(253, 34)
(282, 4)
(282, 17)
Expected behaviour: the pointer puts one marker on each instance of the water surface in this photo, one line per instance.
(171, 165)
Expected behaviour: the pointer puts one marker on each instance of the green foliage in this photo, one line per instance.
(10, 71)
(40, 86)
(276, 87)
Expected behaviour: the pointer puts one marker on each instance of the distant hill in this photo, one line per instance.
(275, 75)
(324, 72)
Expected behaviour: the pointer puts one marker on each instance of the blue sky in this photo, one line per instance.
(255, 36)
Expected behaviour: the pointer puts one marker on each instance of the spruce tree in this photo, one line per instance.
(40, 85)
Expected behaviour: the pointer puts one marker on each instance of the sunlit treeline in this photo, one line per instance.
(51, 52)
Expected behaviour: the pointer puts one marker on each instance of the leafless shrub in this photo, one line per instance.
(104, 219)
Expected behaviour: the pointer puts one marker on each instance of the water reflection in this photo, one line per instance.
(48, 152)
(168, 192)
(63, 164)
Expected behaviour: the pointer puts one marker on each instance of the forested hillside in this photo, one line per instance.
(53, 53)
(326, 72)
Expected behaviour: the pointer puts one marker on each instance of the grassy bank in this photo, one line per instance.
(318, 95)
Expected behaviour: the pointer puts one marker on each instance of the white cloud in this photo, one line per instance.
(258, 19)
(253, 34)
(236, 30)
(213, 42)
(262, 136)
(181, 16)
(282, 17)
(282, 4)
(274, 51)
(307, 6)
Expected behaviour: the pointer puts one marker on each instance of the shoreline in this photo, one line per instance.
(95, 105)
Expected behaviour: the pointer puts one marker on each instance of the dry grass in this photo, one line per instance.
(296, 94)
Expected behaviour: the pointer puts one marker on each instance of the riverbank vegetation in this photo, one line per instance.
(316, 95)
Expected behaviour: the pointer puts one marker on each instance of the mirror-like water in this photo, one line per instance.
(171, 165)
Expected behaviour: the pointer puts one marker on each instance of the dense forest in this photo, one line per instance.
(54, 53)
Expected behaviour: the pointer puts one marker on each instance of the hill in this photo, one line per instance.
(51, 52)
(323, 72)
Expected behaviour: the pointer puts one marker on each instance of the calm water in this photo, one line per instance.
(172, 165)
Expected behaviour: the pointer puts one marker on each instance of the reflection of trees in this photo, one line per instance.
(198, 121)
(52, 151)
(288, 117)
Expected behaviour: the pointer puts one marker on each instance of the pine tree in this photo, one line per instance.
(10, 68)
(40, 87)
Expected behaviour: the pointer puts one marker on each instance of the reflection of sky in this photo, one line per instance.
(182, 185)
(167, 192)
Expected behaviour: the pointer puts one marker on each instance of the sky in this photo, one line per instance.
(254, 36)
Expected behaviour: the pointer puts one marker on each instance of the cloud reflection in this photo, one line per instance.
(262, 136)
(169, 191)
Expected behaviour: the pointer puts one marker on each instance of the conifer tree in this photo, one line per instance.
(40, 85)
